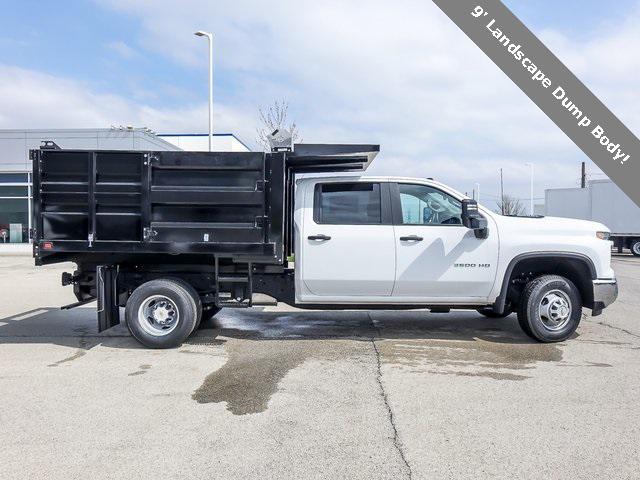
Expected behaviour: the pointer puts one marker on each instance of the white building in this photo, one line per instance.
(199, 142)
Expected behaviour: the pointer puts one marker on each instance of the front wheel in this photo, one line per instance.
(635, 248)
(162, 313)
(550, 309)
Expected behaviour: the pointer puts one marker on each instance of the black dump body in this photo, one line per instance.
(116, 207)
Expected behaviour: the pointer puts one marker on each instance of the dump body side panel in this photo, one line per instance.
(228, 204)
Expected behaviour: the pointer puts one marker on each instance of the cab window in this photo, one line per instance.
(424, 205)
(348, 204)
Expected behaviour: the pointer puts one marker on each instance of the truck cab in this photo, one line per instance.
(389, 240)
(403, 241)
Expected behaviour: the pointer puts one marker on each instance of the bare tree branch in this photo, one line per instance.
(275, 118)
(510, 206)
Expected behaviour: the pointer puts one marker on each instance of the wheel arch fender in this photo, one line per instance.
(577, 267)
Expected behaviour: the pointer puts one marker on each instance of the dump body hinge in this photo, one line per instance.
(148, 233)
(150, 159)
(261, 221)
(261, 185)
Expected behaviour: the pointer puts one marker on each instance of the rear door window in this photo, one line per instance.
(348, 204)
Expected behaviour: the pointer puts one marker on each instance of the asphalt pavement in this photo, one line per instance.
(283, 393)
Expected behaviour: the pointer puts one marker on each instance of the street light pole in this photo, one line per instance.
(531, 192)
(501, 193)
(209, 36)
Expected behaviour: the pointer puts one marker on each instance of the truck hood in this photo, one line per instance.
(552, 225)
(521, 235)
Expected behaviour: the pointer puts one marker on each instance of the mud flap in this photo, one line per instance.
(107, 290)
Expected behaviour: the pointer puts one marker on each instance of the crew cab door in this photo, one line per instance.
(347, 242)
(438, 259)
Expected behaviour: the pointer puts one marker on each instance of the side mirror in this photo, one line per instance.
(472, 219)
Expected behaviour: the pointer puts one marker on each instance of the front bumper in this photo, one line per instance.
(605, 293)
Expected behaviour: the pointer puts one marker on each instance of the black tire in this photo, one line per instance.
(635, 247)
(489, 313)
(192, 291)
(207, 314)
(177, 300)
(536, 317)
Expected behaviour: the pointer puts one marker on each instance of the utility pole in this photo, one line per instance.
(583, 177)
(501, 193)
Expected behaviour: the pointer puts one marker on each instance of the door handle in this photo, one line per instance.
(411, 238)
(319, 237)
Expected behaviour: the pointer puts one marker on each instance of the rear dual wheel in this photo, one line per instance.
(163, 313)
(635, 247)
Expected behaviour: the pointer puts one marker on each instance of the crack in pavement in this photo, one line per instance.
(624, 330)
(396, 438)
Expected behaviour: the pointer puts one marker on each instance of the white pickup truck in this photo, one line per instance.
(198, 232)
(405, 241)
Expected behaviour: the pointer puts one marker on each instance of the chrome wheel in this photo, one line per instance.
(635, 248)
(555, 310)
(158, 315)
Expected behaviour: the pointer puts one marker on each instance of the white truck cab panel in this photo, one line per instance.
(384, 240)
(347, 245)
(436, 256)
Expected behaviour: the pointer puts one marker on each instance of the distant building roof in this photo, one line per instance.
(204, 135)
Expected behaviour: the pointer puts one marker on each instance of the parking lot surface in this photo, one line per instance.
(284, 393)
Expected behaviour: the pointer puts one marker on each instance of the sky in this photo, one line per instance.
(400, 74)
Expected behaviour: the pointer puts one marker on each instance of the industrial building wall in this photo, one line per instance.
(568, 203)
(602, 201)
(611, 206)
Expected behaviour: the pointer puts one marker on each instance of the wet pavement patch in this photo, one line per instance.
(252, 373)
(478, 357)
(262, 348)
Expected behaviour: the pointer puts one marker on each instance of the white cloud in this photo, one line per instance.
(396, 73)
(32, 99)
